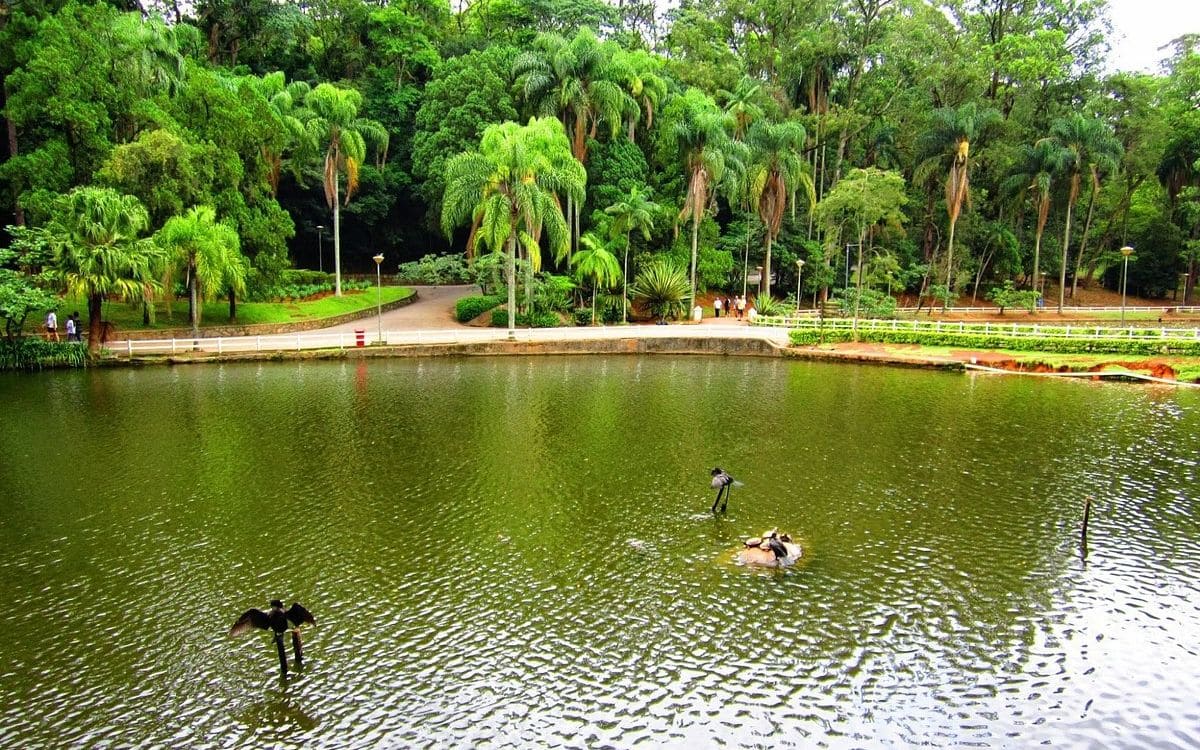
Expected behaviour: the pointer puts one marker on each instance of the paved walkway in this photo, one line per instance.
(433, 309)
(430, 320)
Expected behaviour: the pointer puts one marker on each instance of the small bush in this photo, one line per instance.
(469, 308)
(435, 269)
(874, 304)
(524, 320)
(35, 354)
(583, 316)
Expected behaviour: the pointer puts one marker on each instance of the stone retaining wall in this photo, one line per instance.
(683, 345)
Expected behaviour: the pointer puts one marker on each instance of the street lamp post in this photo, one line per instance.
(1125, 251)
(320, 250)
(379, 293)
(759, 292)
(799, 276)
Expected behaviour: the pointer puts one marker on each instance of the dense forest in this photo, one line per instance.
(936, 147)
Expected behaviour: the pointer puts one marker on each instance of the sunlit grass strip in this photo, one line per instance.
(216, 314)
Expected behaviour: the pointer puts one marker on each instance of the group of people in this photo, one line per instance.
(74, 327)
(735, 306)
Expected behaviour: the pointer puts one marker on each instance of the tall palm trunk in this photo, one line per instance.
(193, 309)
(764, 282)
(510, 273)
(746, 257)
(950, 258)
(1087, 228)
(337, 240)
(1062, 274)
(625, 284)
(695, 254)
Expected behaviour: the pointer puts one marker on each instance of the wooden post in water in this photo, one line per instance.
(297, 648)
(1087, 512)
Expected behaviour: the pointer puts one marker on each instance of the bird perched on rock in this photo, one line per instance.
(721, 482)
(278, 621)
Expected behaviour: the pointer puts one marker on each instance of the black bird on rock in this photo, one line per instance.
(278, 621)
(721, 482)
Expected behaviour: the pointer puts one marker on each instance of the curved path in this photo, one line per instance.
(430, 320)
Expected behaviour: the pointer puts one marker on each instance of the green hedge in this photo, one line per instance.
(469, 308)
(810, 336)
(524, 320)
(35, 354)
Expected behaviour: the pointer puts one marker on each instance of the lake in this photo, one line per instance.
(518, 552)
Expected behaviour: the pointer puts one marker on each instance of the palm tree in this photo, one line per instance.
(1038, 166)
(508, 190)
(742, 105)
(646, 88)
(776, 171)
(1090, 146)
(332, 121)
(209, 253)
(636, 212)
(98, 252)
(950, 137)
(575, 81)
(595, 264)
(662, 287)
(284, 99)
(704, 145)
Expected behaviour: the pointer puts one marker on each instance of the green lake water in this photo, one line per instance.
(511, 552)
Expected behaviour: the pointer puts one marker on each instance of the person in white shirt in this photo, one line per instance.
(52, 326)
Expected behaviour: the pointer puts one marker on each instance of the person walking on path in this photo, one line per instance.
(717, 307)
(728, 308)
(52, 326)
(70, 328)
(78, 329)
(741, 307)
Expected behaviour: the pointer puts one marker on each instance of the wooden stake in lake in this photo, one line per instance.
(1087, 512)
(278, 621)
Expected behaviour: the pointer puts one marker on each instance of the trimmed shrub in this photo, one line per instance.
(1048, 343)
(524, 320)
(469, 308)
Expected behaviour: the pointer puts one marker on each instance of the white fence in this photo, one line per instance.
(1033, 330)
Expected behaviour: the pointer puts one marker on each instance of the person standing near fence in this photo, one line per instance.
(717, 307)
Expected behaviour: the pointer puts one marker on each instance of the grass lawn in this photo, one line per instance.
(127, 318)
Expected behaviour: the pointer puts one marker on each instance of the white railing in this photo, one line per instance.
(1038, 330)
(351, 339)
(993, 310)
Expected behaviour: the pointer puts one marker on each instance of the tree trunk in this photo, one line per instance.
(949, 262)
(764, 282)
(232, 306)
(1062, 274)
(337, 239)
(18, 212)
(858, 294)
(625, 285)
(695, 253)
(746, 258)
(193, 310)
(95, 327)
(510, 273)
(1087, 227)
(1037, 253)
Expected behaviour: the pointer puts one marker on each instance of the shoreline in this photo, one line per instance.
(998, 362)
